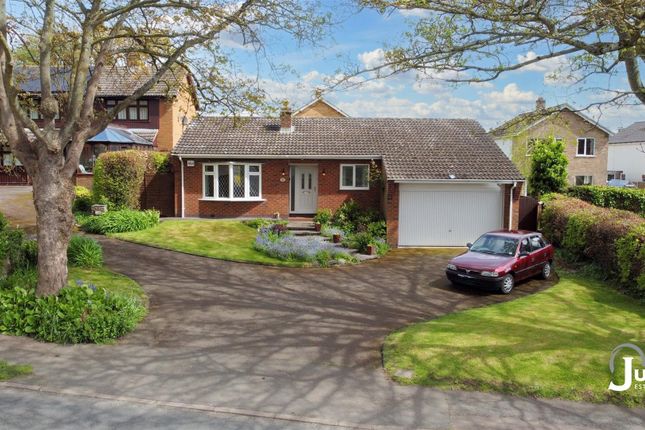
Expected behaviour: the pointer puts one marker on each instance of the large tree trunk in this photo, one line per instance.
(53, 195)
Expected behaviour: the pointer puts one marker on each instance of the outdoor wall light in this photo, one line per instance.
(323, 172)
(283, 172)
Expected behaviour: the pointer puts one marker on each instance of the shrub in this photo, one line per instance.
(361, 240)
(323, 216)
(84, 252)
(157, 162)
(82, 199)
(548, 167)
(377, 229)
(79, 314)
(629, 199)
(12, 251)
(262, 222)
(351, 218)
(118, 177)
(121, 221)
(610, 238)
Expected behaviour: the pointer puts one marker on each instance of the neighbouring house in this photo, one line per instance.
(438, 182)
(319, 108)
(154, 122)
(586, 140)
(626, 158)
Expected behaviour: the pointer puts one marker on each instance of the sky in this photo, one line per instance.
(360, 40)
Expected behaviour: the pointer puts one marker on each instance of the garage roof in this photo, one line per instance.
(411, 149)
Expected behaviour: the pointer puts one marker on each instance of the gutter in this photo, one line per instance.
(181, 161)
(282, 157)
(457, 181)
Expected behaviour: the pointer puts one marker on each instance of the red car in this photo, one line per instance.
(500, 258)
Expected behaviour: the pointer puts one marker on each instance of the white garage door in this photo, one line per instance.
(448, 215)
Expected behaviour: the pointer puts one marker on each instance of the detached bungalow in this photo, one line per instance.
(439, 182)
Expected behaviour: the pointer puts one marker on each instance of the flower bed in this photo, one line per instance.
(277, 242)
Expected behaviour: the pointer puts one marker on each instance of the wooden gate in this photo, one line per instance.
(528, 213)
(14, 176)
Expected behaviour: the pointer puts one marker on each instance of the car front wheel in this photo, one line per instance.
(546, 270)
(508, 282)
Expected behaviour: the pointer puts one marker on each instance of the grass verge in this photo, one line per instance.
(555, 343)
(8, 371)
(224, 240)
(113, 282)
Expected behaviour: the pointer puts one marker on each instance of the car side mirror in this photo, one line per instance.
(523, 253)
(468, 245)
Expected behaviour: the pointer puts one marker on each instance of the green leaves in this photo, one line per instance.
(548, 167)
(120, 221)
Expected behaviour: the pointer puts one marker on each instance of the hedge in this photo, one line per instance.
(611, 238)
(629, 199)
(119, 175)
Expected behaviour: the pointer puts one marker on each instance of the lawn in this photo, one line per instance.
(555, 343)
(224, 240)
(8, 371)
(111, 281)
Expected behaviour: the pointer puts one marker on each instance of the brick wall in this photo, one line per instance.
(517, 192)
(392, 212)
(319, 109)
(275, 192)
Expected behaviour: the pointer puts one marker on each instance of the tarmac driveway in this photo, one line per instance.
(300, 343)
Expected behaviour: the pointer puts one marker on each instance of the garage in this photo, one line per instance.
(448, 214)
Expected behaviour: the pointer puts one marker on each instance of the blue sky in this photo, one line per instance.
(360, 40)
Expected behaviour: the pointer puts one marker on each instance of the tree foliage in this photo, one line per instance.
(71, 45)
(548, 167)
(473, 40)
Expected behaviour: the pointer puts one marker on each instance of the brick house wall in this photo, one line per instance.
(171, 119)
(568, 126)
(517, 192)
(391, 205)
(275, 191)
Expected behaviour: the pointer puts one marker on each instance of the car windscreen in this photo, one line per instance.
(497, 245)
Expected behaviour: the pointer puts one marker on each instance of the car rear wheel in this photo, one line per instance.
(508, 282)
(546, 271)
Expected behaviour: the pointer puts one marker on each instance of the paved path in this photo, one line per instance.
(16, 203)
(303, 343)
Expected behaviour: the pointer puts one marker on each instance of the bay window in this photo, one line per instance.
(232, 181)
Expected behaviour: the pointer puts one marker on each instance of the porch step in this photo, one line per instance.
(305, 232)
(301, 226)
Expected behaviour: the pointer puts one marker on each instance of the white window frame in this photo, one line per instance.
(247, 174)
(585, 147)
(584, 178)
(354, 187)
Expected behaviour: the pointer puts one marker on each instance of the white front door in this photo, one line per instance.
(304, 189)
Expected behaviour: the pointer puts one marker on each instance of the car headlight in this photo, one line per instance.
(490, 274)
(451, 267)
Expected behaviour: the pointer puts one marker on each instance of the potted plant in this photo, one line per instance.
(371, 249)
(336, 237)
(318, 226)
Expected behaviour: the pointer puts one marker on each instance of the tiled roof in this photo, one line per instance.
(114, 82)
(633, 133)
(526, 120)
(411, 149)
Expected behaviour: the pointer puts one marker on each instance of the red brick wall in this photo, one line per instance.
(274, 192)
(516, 204)
(392, 212)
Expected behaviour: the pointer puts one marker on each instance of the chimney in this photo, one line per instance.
(540, 104)
(286, 125)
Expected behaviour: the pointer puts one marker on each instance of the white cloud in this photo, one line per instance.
(416, 12)
(557, 70)
(372, 59)
(511, 94)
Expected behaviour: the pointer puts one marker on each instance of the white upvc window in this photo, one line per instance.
(584, 180)
(232, 181)
(586, 147)
(354, 176)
